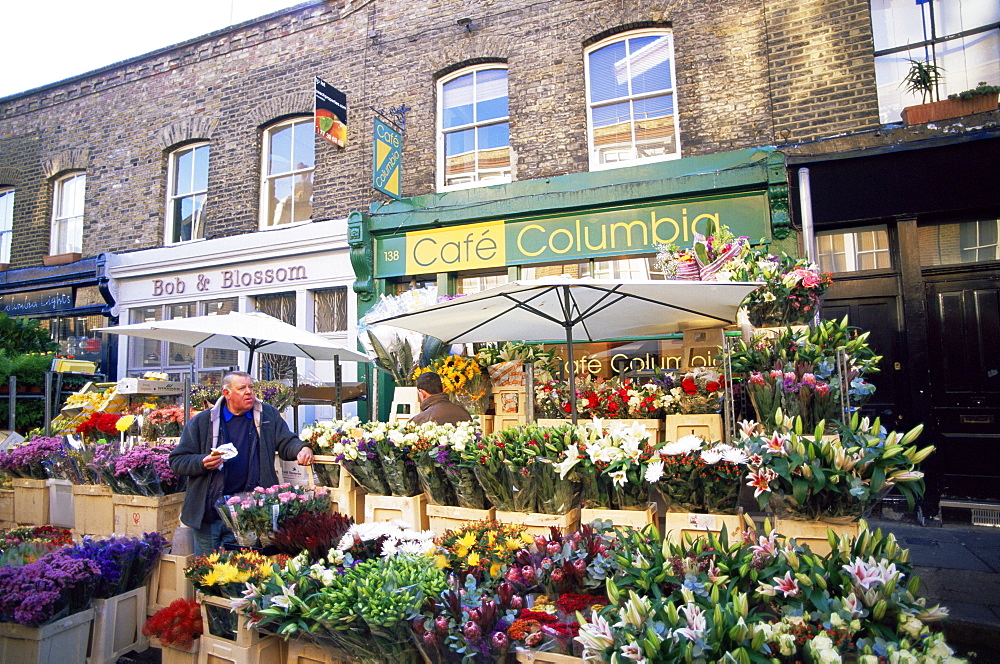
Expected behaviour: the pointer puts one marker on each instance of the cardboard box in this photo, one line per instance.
(143, 386)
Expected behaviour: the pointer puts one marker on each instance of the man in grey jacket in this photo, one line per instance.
(256, 430)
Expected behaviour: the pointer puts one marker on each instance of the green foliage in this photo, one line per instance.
(21, 335)
(982, 89)
(397, 360)
(30, 368)
(922, 79)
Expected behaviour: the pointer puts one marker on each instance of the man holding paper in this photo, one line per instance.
(229, 449)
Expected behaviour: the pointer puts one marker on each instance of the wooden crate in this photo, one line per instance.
(510, 400)
(63, 641)
(412, 510)
(93, 510)
(269, 650)
(117, 627)
(350, 502)
(7, 508)
(446, 517)
(526, 656)
(31, 501)
(485, 423)
(501, 421)
(167, 582)
(677, 525)
(301, 651)
(172, 655)
(243, 637)
(706, 426)
(539, 524)
(813, 533)
(621, 518)
(405, 404)
(137, 515)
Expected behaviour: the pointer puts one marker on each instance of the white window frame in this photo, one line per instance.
(441, 132)
(266, 211)
(200, 195)
(595, 159)
(68, 213)
(6, 222)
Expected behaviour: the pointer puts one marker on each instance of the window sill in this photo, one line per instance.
(61, 259)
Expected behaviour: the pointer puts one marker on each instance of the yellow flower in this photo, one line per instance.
(441, 561)
(124, 422)
(468, 540)
(211, 578)
(495, 569)
(473, 559)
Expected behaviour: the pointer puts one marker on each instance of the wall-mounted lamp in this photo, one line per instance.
(465, 23)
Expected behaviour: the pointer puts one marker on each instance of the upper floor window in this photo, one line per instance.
(67, 214)
(6, 223)
(289, 160)
(474, 128)
(330, 310)
(957, 242)
(631, 105)
(961, 37)
(858, 249)
(187, 179)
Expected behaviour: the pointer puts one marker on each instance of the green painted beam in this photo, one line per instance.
(717, 173)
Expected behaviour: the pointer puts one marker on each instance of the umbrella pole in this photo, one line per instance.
(338, 388)
(572, 373)
(250, 359)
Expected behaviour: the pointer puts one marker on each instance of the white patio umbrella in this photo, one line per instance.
(251, 331)
(557, 308)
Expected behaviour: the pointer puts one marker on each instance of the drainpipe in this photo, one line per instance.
(808, 231)
(805, 204)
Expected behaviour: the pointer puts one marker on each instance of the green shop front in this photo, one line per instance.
(604, 225)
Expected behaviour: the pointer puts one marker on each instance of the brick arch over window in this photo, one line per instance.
(453, 57)
(298, 103)
(599, 29)
(185, 131)
(9, 176)
(70, 160)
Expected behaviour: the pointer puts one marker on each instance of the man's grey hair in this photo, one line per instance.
(227, 380)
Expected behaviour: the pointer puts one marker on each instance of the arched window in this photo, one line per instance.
(289, 161)
(187, 182)
(67, 214)
(473, 128)
(631, 101)
(6, 222)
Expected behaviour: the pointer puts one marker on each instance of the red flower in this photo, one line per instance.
(689, 386)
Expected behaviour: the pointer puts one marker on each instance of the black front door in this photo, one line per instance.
(963, 336)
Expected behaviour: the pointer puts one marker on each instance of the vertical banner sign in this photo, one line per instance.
(387, 156)
(331, 113)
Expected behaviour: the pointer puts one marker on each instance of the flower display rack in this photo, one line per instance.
(7, 508)
(410, 510)
(31, 501)
(813, 533)
(621, 518)
(526, 656)
(61, 504)
(269, 650)
(349, 502)
(63, 641)
(329, 473)
(677, 525)
(93, 510)
(137, 515)
(441, 518)
(301, 651)
(707, 426)
(168, 583)
(212, 609)
(539, 524)
(117, 626)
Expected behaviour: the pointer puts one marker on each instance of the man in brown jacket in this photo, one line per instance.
(434, 403)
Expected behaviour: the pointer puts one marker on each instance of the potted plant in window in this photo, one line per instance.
(923, 78)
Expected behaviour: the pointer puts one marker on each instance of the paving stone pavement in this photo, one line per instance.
(959, 566)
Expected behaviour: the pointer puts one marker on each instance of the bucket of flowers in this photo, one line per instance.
(163, 423)
(346, 442)
(694, 475)
(801, 475)
(223, 576)
(177, 625)
(255, 515)
(464, 379)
